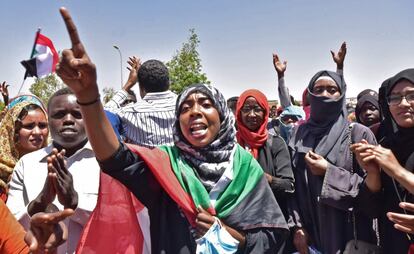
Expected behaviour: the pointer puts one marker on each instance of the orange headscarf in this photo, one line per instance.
(254, 139)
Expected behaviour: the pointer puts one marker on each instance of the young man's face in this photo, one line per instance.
(65, 121)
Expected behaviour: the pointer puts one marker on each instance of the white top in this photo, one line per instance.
(148, 122)
(29, 177)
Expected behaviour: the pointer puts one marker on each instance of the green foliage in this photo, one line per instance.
(185, 66)
(109, 92)
(1, 106)
(45, 87)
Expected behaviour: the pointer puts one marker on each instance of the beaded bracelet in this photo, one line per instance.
(89, 103)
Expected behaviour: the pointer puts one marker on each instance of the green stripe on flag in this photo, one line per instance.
(246, 174)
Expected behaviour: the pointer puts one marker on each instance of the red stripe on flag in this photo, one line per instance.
(113, 226)
(159, 163)
(43, 40)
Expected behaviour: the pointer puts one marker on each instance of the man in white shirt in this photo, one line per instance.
(28, 184)
(149, 121)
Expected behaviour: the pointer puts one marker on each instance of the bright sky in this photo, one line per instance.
(237, 38)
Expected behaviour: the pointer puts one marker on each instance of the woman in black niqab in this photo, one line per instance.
(327, 181)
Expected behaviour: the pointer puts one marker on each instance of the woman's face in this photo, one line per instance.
(326, 88)
(199, 120)
(33, 133)
(252, 115)
(402, 112)
(369, 114)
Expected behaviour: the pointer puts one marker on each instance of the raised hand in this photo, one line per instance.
(339, 57)
(75, 67)
(134, 65)
(316, 163)
(5, 92)
(47, 231)
(279, 66)
(63, 182)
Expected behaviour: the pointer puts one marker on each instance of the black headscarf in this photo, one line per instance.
(325, 130)
(399, 140)
(365, 96)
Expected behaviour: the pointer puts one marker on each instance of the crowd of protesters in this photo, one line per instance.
(196, 173)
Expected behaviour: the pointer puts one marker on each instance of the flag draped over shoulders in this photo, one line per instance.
(246, 174)
(245, 203)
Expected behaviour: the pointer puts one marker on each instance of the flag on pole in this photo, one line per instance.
(43, 59)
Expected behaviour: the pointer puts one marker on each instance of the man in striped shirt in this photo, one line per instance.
(149, 121)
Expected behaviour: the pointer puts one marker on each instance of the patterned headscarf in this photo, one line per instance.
(9, 154)
(209, 161)
(254, 139)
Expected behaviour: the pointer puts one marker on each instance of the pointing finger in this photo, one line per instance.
(70, 26)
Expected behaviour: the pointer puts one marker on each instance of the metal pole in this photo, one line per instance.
(120, 56)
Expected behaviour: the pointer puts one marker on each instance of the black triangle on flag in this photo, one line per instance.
(31, 69)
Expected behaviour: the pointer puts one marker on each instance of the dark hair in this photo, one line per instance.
(153, 76)
(20, 118)
(63, 91)
(367, 91)
(232, 99)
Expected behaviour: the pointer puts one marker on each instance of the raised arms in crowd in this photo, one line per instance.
(339, 58)
(5, 92)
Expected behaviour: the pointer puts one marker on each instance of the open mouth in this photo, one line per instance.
(198, 129)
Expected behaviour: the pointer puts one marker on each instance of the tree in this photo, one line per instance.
(109, 92)
(185, 66)
(45, 87)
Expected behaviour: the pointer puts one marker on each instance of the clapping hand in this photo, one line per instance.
(58, 183)
(365, 156)
(62, 181)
